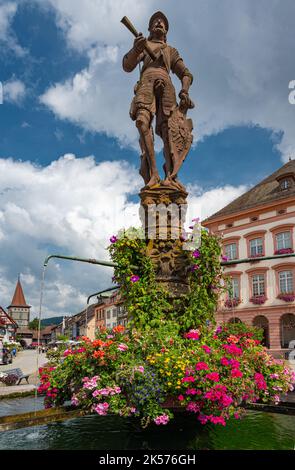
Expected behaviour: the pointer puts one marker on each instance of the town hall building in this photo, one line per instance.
(261, 223)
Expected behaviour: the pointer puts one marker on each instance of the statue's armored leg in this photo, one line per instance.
(144, 170)
(168, 166)
(143, 123)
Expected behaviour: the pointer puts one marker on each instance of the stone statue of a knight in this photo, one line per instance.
(155, 95)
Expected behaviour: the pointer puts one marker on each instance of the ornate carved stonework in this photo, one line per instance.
(163, 214)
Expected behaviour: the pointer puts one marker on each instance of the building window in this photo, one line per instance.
(108, 315)
(283, 240)
(286, 282)
(256, 247)
(258, 285)
(231, 251)
(234, 288)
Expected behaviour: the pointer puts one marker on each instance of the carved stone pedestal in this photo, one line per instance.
(163, 212)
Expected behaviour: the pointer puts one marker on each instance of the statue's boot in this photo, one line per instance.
(155, 179)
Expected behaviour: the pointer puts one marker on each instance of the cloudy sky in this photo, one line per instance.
(68, 150)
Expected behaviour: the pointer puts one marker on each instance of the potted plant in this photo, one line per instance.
(258, 299)
(284, 251)
(287, 297)
(230, 303)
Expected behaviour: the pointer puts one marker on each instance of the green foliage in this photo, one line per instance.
(148, 303)
(206, 282)
(62, 338)
(241, 329)
(34, 324)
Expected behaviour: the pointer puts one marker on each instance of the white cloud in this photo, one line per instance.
(70, 207)
(203, 204)
(7, 36)
(14, 91)
(239, 53)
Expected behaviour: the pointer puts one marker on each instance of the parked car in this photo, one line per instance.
(5, 356)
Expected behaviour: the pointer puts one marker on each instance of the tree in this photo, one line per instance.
(34, 324)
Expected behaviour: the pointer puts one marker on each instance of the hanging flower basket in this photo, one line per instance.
(287, 297)
(230, 303)
(258, 300)
(284, 251)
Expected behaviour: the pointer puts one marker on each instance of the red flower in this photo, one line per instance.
(98, 354)
(214, 376)
(119, 329)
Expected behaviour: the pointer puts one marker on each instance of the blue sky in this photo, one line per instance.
(65, 94)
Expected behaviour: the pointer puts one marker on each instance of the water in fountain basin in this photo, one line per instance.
(258, 430)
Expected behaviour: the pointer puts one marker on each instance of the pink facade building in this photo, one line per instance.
(261, 223)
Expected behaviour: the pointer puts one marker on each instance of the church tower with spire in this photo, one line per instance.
(19, 310)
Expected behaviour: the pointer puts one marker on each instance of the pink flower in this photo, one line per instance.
(224, 361)
(81, 350)
(196, 254)
(206, 349)
(214, 376)
(233, 349)
(162, 419)
(194, 267)
(139, 369)
(217, 420)
(224, 258)
(236, 373)
(234, 363)
(188, 379)
(90, 384)
(226, 400)
(192, 334)
(101, 408)
(193, 391)
(202, 366)
(180, 397)
(134, 278)
(277, 399)
(274, 376)
(74, 400)
(260, 382)
(203, 419)
(113, 239)
(122, 347)
(194, 407)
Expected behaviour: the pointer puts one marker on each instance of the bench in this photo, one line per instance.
(19, 373)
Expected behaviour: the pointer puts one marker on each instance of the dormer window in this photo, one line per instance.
(285, 184)
(286, 181)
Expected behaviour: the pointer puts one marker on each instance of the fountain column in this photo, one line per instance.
(163, 211)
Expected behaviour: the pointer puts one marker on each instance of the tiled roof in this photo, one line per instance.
(18, 299)
(265, 192)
